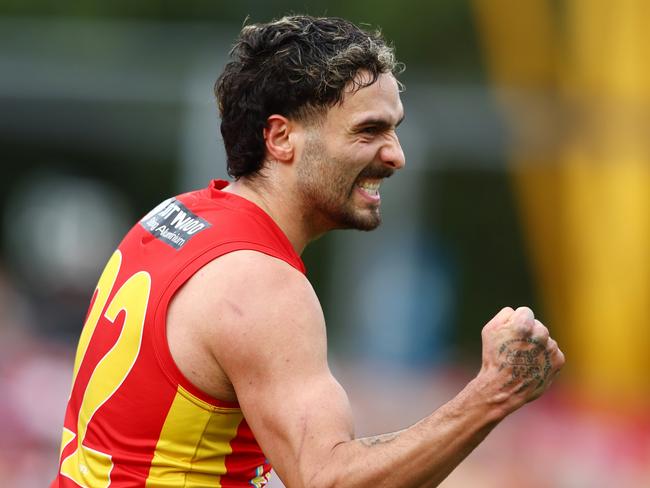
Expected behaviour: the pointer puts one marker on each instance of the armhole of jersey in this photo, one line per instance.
(161, 347)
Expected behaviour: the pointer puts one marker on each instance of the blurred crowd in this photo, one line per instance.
(35, 375)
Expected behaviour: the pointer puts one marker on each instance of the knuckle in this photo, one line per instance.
(524, 328)
(504, 316)
(524, 309)
(541, 332)
(526, 312)
(486, 329)
(523, 319)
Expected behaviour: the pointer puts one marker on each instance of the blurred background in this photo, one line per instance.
(527, 182)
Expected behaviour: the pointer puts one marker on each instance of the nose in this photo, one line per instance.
(391, 153)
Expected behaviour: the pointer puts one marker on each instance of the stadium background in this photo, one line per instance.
(527, 182)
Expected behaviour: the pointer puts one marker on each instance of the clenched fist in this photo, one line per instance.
(520, 359)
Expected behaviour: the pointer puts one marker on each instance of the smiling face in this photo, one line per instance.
(348, 154)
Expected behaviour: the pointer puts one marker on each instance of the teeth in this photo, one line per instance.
(370, 186)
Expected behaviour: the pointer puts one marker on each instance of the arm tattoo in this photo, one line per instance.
(379, 439)
(525, 357)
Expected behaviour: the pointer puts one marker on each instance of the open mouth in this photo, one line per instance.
(369, 188)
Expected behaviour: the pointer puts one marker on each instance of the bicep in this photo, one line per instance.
(298, 423)
(275, 354)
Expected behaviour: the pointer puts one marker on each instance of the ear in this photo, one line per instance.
(278, 138)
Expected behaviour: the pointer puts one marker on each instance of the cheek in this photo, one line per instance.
(364, 152)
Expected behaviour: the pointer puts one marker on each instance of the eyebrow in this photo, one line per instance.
(377, 122)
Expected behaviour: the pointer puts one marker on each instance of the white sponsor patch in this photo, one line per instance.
(173, 223)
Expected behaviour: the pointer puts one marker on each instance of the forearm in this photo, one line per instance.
(420, 456)
(311, 445)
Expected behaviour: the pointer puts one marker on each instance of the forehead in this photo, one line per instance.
(380, 100)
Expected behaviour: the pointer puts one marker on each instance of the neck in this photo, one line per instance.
(278, 204)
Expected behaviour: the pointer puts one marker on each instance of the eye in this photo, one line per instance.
(371, 129)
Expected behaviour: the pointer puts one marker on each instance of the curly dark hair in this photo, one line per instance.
(296, 66)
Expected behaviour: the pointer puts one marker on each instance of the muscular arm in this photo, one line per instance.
(268, 336)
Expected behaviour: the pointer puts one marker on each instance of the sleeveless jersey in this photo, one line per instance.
(132, 418)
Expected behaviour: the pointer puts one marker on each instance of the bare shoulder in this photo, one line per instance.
(247, 286)
(248, 299)
(241, 315)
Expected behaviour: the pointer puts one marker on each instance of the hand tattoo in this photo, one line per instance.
(525, 362)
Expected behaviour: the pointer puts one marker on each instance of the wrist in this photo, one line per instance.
(479, 394)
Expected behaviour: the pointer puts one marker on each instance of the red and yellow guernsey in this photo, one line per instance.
(133, 419)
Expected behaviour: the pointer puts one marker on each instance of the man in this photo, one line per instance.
(203, 358)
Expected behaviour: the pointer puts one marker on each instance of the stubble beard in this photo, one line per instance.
(328, 192)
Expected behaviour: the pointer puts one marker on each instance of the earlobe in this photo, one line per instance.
(277, 137)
